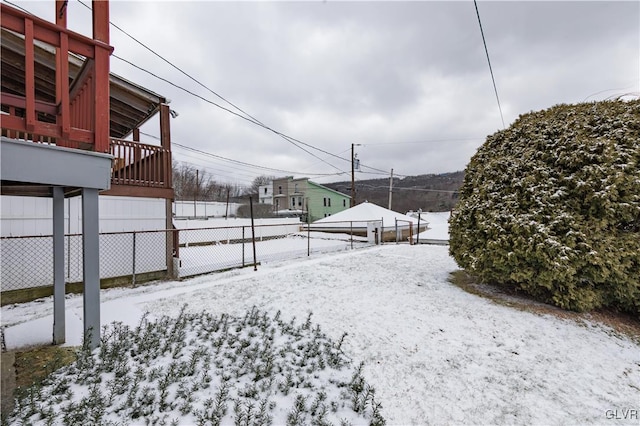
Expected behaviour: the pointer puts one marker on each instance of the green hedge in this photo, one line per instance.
(551, 206)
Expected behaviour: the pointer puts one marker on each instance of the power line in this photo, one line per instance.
(223, 170)
(400, 188)
(290, 139)
(489, 61)
(247, 164)
(18, 7)
(246, 115)
(215, 173)
(422, 142)
(245, 168)
(209, 154)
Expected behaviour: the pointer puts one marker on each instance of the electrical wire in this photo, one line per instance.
(246, 164)
(18, 7)
(290, 139)
(495, 89)
(209, 154)
(246, 115)
(401, 188)
(422, 142)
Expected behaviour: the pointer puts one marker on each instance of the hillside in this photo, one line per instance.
(427, 192)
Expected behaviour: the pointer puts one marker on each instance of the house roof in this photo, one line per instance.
(306, 179)
(367, 212)
(131, 105)
(326, 188)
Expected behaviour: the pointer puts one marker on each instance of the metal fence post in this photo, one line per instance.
(243, 244)
(351, 233)
(418, 231)
(133, 276)
(253, 236)
(396, 219)
(308, 239)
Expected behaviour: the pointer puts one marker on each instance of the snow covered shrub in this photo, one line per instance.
(551, 206)
(205, 369)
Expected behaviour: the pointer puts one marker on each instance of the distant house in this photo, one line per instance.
(265, 194)
(306, 199)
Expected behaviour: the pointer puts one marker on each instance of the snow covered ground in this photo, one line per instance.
(196, 260)
(435, 354)
(438, 228)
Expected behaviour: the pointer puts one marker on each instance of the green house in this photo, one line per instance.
(306, 199)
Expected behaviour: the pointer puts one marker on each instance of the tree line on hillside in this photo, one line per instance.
(431, 192)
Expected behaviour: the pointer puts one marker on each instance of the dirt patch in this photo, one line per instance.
(26, 367)
(621, 323)
(32, 366)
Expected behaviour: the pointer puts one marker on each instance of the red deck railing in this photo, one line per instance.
(138, 164)
(81, 112)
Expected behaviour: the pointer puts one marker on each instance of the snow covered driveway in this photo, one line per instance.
(435, 354)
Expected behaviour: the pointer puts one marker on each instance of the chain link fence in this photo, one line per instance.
(27, 261)
(213, 249)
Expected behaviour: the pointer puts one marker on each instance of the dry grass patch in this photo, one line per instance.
(619, 323)
(35, 364)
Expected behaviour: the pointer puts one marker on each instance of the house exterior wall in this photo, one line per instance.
(265, 194)
(324, 202)
(302, 194)
(297, 194)
(281, 194)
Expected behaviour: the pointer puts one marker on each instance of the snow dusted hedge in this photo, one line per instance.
(551, 206)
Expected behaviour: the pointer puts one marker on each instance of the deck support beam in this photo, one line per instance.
(91, 266)
(59, 336)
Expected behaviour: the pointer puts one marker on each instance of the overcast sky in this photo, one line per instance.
(409, 81)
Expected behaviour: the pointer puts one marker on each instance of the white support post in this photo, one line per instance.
(91, 266)
(58, 267)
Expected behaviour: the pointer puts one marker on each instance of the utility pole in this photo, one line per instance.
(353, 180)
(390, 188)
(353, 175)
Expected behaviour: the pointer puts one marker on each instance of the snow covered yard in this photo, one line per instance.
(438, 232)
(434, 353)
